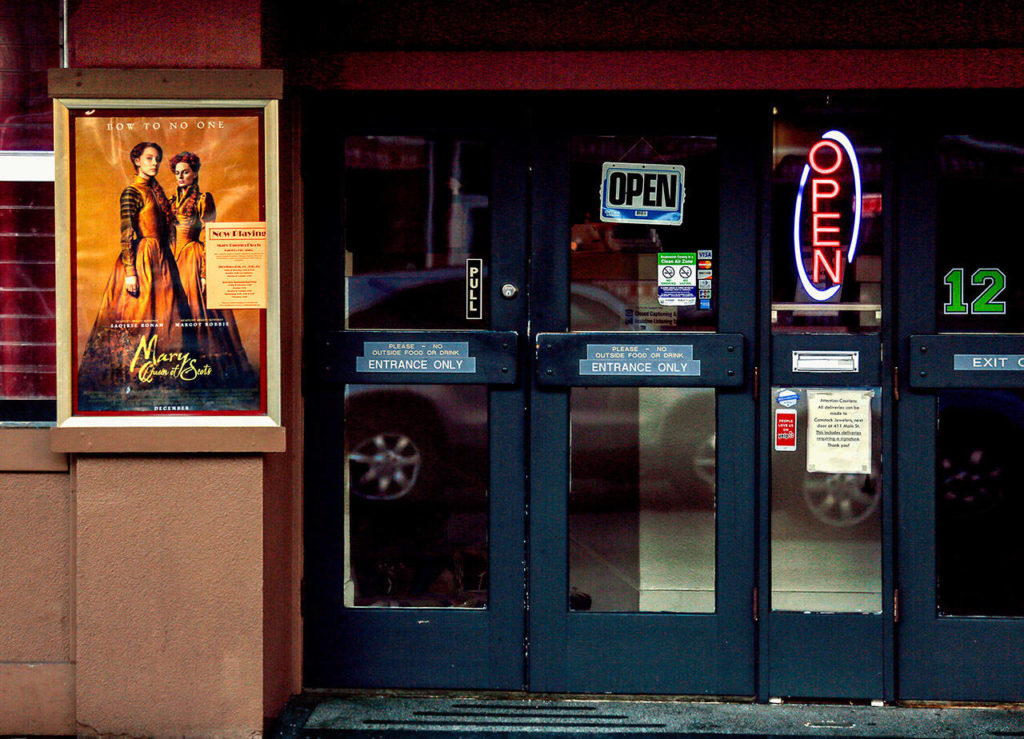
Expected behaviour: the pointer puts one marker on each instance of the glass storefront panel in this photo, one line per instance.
(642, 499)
(826, 492)
(978, 503)
(417, 210)
(981, 181)
(643, 460)
(827, 227)
(644, 276)
(416, 496)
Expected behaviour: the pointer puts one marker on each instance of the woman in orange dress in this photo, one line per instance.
(143, 305)
(217, 337)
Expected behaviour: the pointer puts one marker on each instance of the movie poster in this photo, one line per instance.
(148, 187)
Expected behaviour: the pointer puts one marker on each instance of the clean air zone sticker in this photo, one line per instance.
(677, 279)
(643, 193)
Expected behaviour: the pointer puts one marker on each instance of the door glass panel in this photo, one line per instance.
(642, 490)
(979, 506)
(826, 493)
(644, 276)
(416, 503)
(981, 285)
(416, 210)
(642, 499)
(836, 284)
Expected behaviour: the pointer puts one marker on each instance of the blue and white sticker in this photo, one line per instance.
(787, 398)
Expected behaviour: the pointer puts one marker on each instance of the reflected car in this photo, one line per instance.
(427, 442)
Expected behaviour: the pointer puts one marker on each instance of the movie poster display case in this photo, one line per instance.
(168, 294)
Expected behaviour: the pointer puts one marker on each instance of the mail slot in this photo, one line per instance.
(826, 361)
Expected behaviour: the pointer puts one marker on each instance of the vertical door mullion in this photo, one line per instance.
(916, 410)
(889, 383)
(737, 448)
(549, 425)
(508, 458)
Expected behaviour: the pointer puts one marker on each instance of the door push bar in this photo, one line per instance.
(940, 361)
(419, 357)
(639, 359)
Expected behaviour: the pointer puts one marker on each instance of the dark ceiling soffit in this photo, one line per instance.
(665, 70)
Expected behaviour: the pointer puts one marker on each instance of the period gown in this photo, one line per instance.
(218, 341)
(124, 321)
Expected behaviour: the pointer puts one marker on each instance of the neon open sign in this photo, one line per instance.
(821, 180)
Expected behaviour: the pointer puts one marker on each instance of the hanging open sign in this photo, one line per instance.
(826, 216)
(643, 193)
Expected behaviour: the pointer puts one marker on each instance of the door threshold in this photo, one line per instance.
(444, 714)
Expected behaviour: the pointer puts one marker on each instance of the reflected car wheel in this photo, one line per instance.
(973, 475)
(692, 469)
(705, 461)
(841, 500)
(388, 465)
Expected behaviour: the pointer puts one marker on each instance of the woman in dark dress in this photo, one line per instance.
(143, 305)
(217, 337)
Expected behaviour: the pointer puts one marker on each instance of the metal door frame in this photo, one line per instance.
(426, 647)
(644, 652)
(940, 657)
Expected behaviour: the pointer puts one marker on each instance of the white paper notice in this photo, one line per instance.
(839, 431)
(236, 265)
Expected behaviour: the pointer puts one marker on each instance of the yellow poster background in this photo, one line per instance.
(228, 147)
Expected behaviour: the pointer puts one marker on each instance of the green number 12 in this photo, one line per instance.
(994, 282)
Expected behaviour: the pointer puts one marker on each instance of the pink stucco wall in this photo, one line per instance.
(168, 572)
(132, 587)
(36, 674)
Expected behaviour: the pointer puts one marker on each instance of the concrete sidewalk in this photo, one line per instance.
(484, 715)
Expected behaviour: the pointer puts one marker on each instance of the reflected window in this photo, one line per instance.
(28, 326)
(416, 502)
(416, 209)
(826, 497)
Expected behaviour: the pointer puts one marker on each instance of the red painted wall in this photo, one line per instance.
(139, 33)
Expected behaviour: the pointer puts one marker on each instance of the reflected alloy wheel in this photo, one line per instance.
(840, 499)
(705, 461)
(385, 466)
(973, 477)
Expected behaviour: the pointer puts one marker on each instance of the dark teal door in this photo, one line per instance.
(693, 396)
(961, 411)
(642, 462)
(502, 520)
(415, 427)
(826, 463)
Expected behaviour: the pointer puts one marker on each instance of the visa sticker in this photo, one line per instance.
(704, 253)
(787, 398)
